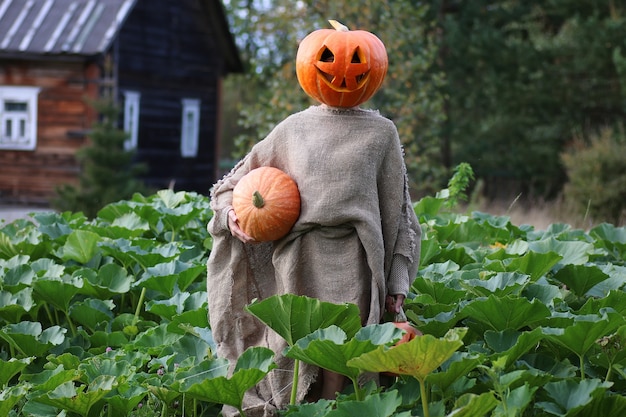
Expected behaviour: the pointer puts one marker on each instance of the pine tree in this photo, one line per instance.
(108, 172)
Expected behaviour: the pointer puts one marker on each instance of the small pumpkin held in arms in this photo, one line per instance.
(267, 203)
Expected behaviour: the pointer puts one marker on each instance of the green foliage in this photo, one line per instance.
(522, 76)
(596, 171)
(458, 184)
(517, 321)
(108, 172)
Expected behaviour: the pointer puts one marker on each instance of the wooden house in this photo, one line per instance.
(163, 60)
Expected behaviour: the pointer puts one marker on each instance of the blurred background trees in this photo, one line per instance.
(512, 87)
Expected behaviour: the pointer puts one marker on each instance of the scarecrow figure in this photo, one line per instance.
(356, 240)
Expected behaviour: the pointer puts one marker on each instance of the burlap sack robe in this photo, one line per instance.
(355, 216)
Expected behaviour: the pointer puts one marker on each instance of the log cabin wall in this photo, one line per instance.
(171, 54)
(167, 52)
(62, 122)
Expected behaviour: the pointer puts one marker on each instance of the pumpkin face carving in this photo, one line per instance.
(339, 67)
(267, 203)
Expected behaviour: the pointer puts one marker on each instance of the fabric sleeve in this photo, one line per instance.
(222, 197)
(398, 282)
(408, 241)
(221, 219)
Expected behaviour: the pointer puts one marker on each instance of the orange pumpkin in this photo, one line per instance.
(339, 67)
(410, 331)
(267, 203)
(410, 334)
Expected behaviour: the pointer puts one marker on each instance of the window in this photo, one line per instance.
(190, 128)
(18, 117)
(131, 118)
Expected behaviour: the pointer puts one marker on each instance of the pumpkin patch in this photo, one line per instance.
(267, 203)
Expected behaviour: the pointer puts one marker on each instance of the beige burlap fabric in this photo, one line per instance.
(356, 218)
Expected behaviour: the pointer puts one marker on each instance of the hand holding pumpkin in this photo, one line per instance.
(235, 230)
(394, 303)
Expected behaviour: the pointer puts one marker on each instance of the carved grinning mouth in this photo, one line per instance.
(326, 62)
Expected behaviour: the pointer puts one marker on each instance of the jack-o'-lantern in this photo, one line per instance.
(340, 67)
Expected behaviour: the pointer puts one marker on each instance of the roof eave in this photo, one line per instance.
(226, 42)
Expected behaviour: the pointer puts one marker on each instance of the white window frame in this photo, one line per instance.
(132, 101)
(190, 128)
(23, 124)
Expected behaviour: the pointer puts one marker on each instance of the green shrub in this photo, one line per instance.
(108, 172)
(596, 168)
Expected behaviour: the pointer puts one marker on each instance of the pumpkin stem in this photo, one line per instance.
(257, 199)
(338, 26)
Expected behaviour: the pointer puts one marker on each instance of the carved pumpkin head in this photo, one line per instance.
(339, 67)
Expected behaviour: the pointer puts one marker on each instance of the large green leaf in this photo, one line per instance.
(17, 277)
(428, 207)
(612, 238)
(132, 222)
(615, 281)
(547, 293)
(190, 346)
(580, 278)
(328, 348)
(156, 338)
(98, 366)
(533, 263)
(585, 331)
(375, 405)
(58, 292)
(170, 307)
(472, 405)
(417, 358)
(10, 396)
(311, 409)
(429, 249)
(515, 401)
(614, 299)
(511, 344)
(59, 225)
(21, 237)
(607, 405)
(142, 252)
(109, 280)
(459, 365)
(440, 291)
(208, 380)
(570, 396)
(500, 284)
(294, 317)
(29, 338)
(508, 312)
(14, 306)
(125, 398)
(12, 367)
(92, 313)
(76, 399)
(573, 253)
(81, 246)
(167, 276)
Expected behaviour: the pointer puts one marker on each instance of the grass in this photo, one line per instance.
(539, 214)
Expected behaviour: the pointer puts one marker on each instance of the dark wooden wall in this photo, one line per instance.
(63, 116)
(166, 52)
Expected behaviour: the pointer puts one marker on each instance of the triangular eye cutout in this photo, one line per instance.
(327, 56)
(356, 59)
